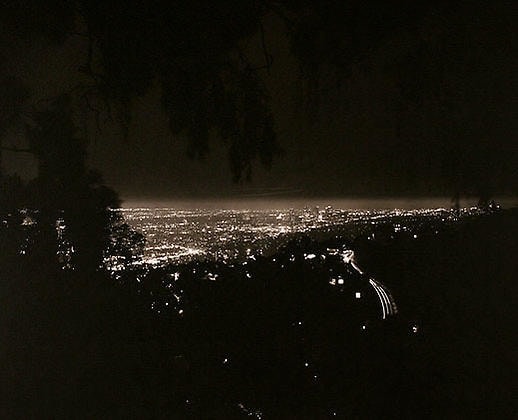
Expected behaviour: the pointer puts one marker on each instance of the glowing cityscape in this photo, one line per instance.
(179, 236)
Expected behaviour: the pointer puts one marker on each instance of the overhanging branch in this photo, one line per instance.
(16, 149)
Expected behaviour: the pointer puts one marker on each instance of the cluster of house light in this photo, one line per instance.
(178, 236)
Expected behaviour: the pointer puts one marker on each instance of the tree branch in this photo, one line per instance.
(276, 8)
(16, 149)
(268, 58)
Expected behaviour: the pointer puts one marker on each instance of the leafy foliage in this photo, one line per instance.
(442, 67)
(66, 197)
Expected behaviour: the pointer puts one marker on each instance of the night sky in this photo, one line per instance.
(364, 136)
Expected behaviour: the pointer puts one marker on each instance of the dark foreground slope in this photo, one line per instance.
(460, 286)
(273, 339)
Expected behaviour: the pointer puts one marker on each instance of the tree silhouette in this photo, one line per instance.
(192, 49)
(209, 87)
(64, 318)
(195, 52)
(74, 212)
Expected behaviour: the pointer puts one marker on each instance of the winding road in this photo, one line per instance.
(387, 302)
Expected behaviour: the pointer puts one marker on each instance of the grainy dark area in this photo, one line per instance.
(258, 209)
(76, 344)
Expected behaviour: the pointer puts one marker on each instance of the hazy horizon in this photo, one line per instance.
(261, 202)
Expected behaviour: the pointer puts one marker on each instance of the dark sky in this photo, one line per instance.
(364, 141)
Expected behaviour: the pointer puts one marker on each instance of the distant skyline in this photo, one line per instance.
(261, 203)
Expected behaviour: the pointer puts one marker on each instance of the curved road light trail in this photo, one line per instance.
(387, 301)
(388, 304)
(381, 296)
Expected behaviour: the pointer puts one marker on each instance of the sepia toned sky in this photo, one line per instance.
(360, 141)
